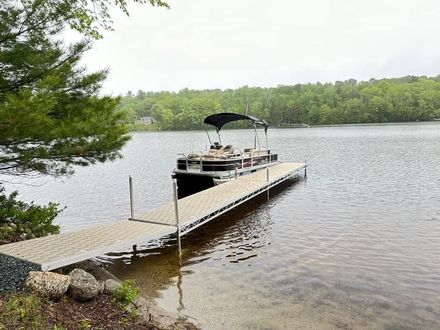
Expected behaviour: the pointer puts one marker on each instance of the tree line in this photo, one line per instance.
(409, 98)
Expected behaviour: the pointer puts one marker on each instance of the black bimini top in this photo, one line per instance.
(220, 119)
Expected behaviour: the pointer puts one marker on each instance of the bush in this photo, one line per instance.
(20, 221)
(126, 293)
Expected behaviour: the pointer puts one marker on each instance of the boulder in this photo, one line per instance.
(111, 286)
(47, 284)
(83, 286)
(101, 287)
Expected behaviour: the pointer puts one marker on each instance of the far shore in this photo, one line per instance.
(401, 123)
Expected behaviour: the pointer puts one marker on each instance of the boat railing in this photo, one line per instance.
(249, 159)
(187, 159)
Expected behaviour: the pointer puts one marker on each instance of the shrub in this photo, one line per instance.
(20, 221)
(126, 293)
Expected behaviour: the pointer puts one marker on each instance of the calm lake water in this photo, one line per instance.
(354, 245)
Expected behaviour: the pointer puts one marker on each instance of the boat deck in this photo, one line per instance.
(60, 250)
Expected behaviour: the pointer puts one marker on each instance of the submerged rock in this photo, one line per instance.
(83, 286)
(47, 284)
(111, 286)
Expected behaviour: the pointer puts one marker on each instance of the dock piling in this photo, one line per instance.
(267, 179)
(130, 185)
(305, 167)
(176, 212)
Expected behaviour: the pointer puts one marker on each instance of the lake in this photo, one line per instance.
(356, 244)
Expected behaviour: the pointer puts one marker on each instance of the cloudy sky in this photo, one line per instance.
(223, 44)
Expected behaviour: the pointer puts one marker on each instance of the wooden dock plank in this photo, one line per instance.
(59, 250)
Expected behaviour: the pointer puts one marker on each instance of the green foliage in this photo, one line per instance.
(22, 311)
(20, 221)
(84, 324)
(51, 116)
(386, 100)
(126, 293)
(57, 327)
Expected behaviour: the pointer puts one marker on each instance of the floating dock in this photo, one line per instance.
(184, 215)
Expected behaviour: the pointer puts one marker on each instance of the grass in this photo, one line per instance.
(22, 311)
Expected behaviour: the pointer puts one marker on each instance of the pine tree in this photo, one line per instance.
(51, 115)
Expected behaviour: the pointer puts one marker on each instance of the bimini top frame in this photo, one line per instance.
(218, 120)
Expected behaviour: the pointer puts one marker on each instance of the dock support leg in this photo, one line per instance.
(130, 186)
(267, 179)
(135, 249)
(305, 168)
(176, 211)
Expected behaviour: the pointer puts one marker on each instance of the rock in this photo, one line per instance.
(47, 284)
(101, 287)
(111, 286)
(83, 286)
(13, 272)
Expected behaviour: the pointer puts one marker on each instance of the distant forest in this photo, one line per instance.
(403, 99)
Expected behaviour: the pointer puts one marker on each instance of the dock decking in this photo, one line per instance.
(64, 249)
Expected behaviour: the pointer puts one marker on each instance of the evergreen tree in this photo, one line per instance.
(51, 116)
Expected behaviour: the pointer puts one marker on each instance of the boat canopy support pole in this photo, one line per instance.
(176, 212)
(267, 143)
(209, 138)
(256, 135)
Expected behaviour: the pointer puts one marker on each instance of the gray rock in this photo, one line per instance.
(83, 286)
(101, 287)
(13, 272)
(111, 286)
(47, 284)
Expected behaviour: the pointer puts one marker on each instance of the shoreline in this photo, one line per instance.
(398, 123)
(15, 272)
(146, 306)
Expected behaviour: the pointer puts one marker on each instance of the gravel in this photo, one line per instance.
(13, 272)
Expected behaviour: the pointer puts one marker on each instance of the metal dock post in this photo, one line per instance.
(305, 167)
(267, 180)
(176, 211)
(130, 186)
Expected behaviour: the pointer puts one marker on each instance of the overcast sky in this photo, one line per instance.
(203, 44)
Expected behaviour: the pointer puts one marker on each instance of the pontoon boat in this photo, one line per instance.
(221, 163)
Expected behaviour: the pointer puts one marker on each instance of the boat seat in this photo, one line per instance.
(228, 149)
